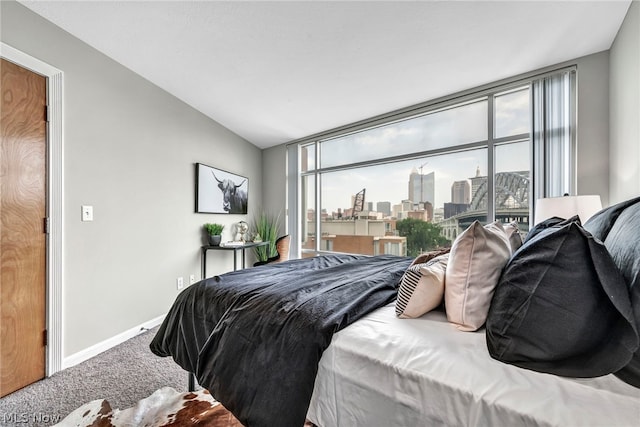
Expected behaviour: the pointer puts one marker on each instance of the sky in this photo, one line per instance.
(389, 182)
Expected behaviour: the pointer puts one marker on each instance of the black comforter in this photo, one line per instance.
(254, 337)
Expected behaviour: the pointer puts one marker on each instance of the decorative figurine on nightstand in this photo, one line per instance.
(242, 228)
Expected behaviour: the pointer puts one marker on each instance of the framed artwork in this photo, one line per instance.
(220, 192)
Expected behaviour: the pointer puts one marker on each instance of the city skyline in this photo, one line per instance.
(388, 182)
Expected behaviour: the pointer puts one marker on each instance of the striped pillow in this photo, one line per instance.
(421, 288)
(428, 256)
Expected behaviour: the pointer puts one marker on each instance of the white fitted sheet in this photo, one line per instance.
(385, 371)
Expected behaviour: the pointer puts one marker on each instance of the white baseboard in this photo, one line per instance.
(98, 348)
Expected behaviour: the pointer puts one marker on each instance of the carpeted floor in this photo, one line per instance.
(122, 375)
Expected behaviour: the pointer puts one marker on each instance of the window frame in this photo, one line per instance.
(538, 161)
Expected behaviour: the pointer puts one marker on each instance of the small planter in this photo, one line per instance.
(213, 232)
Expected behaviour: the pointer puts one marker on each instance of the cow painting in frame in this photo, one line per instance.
(220, 192)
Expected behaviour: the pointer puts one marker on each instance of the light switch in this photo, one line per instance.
(87, 213)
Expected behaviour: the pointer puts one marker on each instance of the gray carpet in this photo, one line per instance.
(123, 375)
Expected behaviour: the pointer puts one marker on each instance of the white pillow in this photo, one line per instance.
(475, 263)
(421, 288)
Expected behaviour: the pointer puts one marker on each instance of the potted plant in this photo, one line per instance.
(214, 233)
(267, 228)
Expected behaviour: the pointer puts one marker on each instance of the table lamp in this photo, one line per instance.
(566, 207)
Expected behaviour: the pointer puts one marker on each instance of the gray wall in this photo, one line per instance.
(129, 150)
(593, 125)
(625, 109)
(592, 138)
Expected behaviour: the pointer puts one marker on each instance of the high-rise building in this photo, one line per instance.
(476, 182)
(384, 207)
(461, 192)
(422, 187)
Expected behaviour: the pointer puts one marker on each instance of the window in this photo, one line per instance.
(415, 181)
(434, 130)
(308, 214)
(512, 113)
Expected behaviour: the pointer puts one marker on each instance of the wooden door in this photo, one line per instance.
(23, 241)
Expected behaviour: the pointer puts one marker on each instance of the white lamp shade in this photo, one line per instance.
(566, 207)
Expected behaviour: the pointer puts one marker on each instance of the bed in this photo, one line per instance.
(321, 338)
(386, 371)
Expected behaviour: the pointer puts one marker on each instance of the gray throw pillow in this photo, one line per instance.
(600, 224)
(623, 243)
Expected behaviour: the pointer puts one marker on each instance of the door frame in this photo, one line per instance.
(54, 202)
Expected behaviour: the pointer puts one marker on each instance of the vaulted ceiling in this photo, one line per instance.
(274, 71)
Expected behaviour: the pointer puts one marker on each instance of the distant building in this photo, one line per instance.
(384, 208)
(369, 215)
(422, 187)
(438, 215)
(461, 192)
(365, 245)
(477, 181)
(399, 211)
(421, 215)
(359, 236)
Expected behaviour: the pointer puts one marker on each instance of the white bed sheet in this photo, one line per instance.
(384, 371)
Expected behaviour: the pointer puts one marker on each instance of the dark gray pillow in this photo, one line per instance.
(623, 243)
(562, 307)
(600, 223)
(548, 223)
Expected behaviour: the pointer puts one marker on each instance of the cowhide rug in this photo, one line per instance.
(165, 407)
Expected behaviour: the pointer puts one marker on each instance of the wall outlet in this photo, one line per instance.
(192, 279)
(179, 283)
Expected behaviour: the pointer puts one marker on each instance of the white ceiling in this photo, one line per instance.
(277, 71)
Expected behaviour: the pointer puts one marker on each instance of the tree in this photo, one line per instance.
(421, 236)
